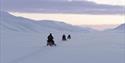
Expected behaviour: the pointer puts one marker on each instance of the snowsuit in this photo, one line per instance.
(69, 37)
(64, 37)
(50, 41)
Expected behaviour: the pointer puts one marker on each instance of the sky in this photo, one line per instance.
(76, 19)
(112, 2)
(76, 12)
(62, 6)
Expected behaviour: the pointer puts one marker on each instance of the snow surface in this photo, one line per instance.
(19, 47)
(24, 41)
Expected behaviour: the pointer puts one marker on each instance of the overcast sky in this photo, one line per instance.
(111, 2)
(64, 6)
(76, 12)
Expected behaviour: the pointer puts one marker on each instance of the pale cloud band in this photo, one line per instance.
(60, 6)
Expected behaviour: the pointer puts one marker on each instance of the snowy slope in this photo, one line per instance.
(10, 22)
(120, 28)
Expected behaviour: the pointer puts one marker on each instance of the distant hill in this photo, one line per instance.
(120, 28)
(20, 24)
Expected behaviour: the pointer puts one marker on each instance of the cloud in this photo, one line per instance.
(60, 6)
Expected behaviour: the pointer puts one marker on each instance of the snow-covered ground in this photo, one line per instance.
(24, 47)
(24, 41)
